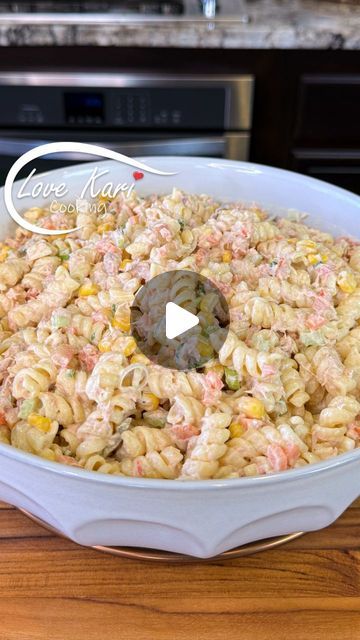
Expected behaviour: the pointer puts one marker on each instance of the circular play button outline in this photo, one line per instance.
(179, 320)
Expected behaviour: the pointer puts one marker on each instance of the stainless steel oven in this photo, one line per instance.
(134, 114)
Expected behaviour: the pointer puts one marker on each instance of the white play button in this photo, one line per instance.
(169, 324)
(178, 320)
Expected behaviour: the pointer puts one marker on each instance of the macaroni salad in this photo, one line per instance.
(282, 392)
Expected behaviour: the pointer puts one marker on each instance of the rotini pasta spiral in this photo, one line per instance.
(11, 272)
(58, 293)
(139, 440)
(154, 464)
(294, 384)
(88, 328)
(100, 464)
(283, 291)
(166, 383)
(246, 361)
(341, 410)
(331, 373)
(203, 458)
(31, 381)
(28, 438)
(182, 291)
(355, 259)
(349, 308)
(186, 409)
(267, 314)
(42, 267)
(65, 412)
(105, 377)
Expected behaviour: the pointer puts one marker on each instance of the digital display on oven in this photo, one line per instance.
(84, 108)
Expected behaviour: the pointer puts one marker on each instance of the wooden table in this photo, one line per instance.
(52, 589)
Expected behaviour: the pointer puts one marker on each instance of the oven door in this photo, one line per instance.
(234, 146)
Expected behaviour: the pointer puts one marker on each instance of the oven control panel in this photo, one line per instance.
(136, 108)
(115, 101)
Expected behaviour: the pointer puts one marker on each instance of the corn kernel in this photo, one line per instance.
(149, 401)
(40, 422)
(106, 226)
(207, 302)
(187, 236)
(308, 245)
(252, 408)
(108, 313)
(130, 347)
(204, 348)
(206, 319)
(4, 434)
(227, 256)
(347, 282)
(216, 368)
(48, 454)
(33, 214)
(104, 346)
(316, 258)
(204, 305)
(139, 358)
(236, 430)
(88, 290)
(122, 323)
(123, 264)
(104, 197)
(4, 250)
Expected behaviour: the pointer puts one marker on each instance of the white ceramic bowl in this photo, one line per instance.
(200, 518)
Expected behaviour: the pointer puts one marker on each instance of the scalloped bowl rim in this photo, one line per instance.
(162, 483)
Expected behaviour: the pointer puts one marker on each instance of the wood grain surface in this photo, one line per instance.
(52, 589)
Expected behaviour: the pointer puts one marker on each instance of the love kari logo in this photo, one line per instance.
(47, 189)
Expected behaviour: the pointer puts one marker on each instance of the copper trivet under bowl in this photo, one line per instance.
(156, 555)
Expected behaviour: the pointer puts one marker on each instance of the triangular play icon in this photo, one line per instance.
(178, 320)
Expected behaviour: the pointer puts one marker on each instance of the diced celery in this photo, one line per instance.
(27, 407)
(232, 379)
(155, 418)
(312, 338)
(59, 321)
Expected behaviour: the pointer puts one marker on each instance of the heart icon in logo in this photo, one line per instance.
(138, 175)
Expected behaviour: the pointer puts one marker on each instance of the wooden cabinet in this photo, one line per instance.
(328, 111)
(326, 134)
(340, 167)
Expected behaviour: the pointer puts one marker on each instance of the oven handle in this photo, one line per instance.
(211, 145)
